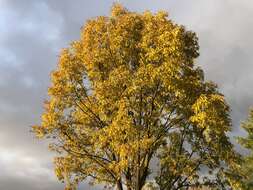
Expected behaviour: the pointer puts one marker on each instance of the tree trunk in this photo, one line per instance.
(119, 185)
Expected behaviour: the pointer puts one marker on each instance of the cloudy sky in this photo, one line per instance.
(32, 32)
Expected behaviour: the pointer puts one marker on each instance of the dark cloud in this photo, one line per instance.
(33, 32)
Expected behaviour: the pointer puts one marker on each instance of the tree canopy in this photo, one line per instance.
(128, 103)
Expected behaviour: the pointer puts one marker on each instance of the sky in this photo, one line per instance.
(32, 33)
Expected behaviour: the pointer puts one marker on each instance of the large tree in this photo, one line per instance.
(128, 94)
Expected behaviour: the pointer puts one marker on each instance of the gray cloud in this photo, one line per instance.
(33, 32)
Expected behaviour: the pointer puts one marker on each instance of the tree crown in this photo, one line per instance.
(129, 92)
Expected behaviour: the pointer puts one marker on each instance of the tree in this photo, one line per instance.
(247, 142)
(129, 93)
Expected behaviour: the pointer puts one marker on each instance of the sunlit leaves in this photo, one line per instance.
(128, 93)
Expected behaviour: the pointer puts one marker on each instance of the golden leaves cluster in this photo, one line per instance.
(126, 91)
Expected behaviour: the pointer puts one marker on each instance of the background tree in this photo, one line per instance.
(128, 92)
(247, 142)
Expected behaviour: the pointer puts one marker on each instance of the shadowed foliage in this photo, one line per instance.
(247, 142)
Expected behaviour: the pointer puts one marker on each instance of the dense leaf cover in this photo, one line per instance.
(128, 94)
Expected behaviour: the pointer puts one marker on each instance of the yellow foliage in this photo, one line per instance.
(128, 91)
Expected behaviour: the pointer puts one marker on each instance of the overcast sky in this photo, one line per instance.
(32, 32)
